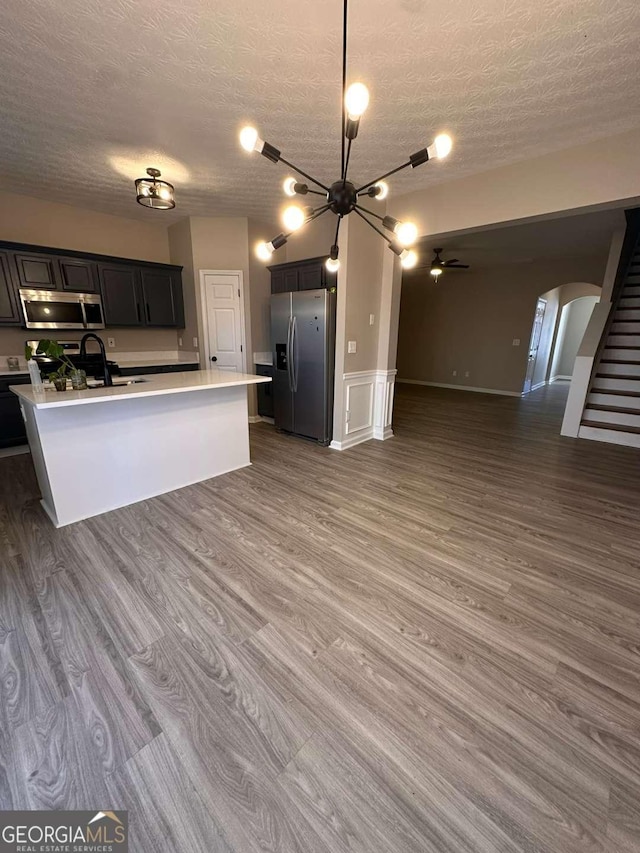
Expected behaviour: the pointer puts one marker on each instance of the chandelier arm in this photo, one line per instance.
(317, 212)
(346, 163)
(344, 81)
(304, 174)
(386, 175)
(335, 239)
(314, 192)
(370, 212)
(384, 236)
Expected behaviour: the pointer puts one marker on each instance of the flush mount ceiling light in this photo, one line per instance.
(151, 192)
(342, 196)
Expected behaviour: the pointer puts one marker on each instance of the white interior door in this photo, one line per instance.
(224, 321)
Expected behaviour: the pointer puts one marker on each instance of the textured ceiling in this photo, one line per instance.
(92, 92)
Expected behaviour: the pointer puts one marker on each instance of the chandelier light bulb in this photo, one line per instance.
(250, 140)
(264, 251)
(408, 259)
(293, 217)
(289, 186)
(406, 232)
(383, 190)
(332, 264)
(356, 100)
(441, 146)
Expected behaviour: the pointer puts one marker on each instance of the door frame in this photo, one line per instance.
(205, 318)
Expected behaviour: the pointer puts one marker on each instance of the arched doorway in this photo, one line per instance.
(557, 330)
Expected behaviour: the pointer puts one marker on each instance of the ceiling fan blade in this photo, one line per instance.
(450, 262)
(458, 266)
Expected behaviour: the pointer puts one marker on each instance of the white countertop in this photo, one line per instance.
(149, 386)
(20, 372)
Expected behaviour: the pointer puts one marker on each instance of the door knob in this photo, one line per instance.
(214, 358)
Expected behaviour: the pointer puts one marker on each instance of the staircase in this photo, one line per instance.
(612, 411)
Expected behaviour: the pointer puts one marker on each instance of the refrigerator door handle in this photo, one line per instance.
(290, 353)
(294, 355)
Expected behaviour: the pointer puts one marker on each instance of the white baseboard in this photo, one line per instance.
(260, 419)
(382, 433)
(14, 451)
(560, 378)
(461, 387)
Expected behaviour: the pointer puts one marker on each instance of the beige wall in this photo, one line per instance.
(468, 320)
(181, 253)
(312, 241)
(45, 223)
(260, 283)
(573, 324)
(593, 175)
(127, 340)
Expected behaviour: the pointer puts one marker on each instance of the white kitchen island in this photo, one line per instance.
(105, 448)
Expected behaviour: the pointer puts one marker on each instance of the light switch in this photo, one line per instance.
(195, 343)
(351, 347)
(179, 342)
(454, 372)
(466, 374)
(372, 319)
(516, 342)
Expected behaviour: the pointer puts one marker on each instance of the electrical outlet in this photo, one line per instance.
(179, 342)
(516, 342)
(372, 319)
(352, 347)
(454, 372)
(111, 342)
(466, 374)
(195, 343)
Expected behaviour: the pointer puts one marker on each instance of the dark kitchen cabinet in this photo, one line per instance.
(9, 308)
(12, 428)
(309, 274)
(134, 293)
(78, 275)
(265, 391)
(120, 286)
(37, 272)
(162, 298)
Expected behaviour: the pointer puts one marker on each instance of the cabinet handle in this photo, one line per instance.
(148, 314)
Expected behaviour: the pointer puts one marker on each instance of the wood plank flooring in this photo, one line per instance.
(427, 644)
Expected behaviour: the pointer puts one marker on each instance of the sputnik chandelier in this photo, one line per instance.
(342, 196)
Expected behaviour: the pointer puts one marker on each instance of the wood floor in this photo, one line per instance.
(427, 644)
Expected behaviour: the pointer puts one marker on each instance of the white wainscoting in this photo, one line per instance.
(368, 407)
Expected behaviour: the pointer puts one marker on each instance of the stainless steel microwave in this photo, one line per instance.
(51, 309)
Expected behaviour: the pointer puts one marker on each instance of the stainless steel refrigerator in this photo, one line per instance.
(303, 327)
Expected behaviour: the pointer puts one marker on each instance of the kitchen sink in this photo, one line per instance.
(117, 383)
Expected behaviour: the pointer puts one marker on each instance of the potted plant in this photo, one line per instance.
(52, 349)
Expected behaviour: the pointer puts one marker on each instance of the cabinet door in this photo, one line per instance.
(290, 280)
(12, 428)
(9, 312)
(277, 281)
(310, 277)
(78, 275)
(120, 295)
(37, 272)
(158, 296)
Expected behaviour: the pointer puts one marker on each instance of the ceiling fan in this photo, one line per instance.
(438, 266)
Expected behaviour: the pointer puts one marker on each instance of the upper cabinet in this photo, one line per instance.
(309, 274)
(78, 275)
(162, 298)
(120, 295)
(9, 314)
(36, 271)
(134, 293)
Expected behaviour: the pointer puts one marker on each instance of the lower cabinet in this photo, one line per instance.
(265, 391)
(12, 429)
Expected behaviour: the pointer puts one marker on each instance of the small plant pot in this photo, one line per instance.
(60, 383)
(79, 380)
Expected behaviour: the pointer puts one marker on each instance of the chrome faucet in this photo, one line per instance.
(83, 354)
